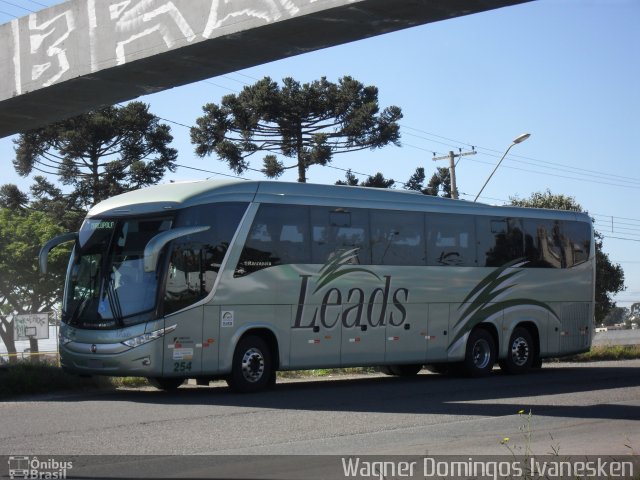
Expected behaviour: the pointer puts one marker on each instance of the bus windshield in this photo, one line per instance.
(107, 285)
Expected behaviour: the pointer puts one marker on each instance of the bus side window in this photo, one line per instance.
(503, 241)
(184, 284)
(543, 244)
(397, 238)
(557, 244)
(336, 231)
(578, 235)
(450, 240)
(195, 260)
(279, 235)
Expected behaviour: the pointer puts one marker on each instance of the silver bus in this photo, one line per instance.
(239, 279)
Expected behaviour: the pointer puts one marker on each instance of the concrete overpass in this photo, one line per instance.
(82, 54)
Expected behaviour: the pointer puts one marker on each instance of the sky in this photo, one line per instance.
(565, 71)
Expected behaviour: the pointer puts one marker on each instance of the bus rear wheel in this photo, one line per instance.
(167, 384)
(252, 367)
(521, 353)
(480, 354)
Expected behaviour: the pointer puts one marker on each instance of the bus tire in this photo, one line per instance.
(480, 353)
(386, 369)
(272, 379)
(167, 384)
(521, 352)
(252, 367)
(537, 362)
(439, 368)
(405, 370)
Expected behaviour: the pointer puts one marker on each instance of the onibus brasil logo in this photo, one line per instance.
(37, 468)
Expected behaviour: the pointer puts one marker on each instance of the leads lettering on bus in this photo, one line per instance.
(384, 305)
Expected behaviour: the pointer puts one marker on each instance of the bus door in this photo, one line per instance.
(187, 283)
(211, 338)
(183, 346)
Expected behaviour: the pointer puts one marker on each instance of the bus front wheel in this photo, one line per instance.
(252, 368)
(167, 384)
(480, 354)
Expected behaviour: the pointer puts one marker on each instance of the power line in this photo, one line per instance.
(210, 171)
(174, 122)
(17, 6)
(592, 176)
(622, 238)
(616, 226)
(496, 153)
(600, 181)
(38, 3)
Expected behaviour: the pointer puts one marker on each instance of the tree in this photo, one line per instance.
(22, 288)
(100, 154)
(306, 123)
(609, 276)
(375, 181)
(617, 315)
(440, 183)
(45, 197)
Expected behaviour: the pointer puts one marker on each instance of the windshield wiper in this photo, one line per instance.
(114, 301)
(79, 308)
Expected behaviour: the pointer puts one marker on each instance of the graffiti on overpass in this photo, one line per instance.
(79, 37)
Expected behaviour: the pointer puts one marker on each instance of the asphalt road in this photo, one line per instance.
(578, 409)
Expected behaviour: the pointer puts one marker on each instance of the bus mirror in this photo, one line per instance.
(153, 248)
(54, 242)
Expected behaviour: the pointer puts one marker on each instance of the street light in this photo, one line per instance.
(519, 139)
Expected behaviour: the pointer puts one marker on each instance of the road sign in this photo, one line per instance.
(33, 325)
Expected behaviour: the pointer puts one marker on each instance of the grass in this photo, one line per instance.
(31, 378)
(128, 382)
(25, 378)
(606, 352)
(326, 372)
(28, 378)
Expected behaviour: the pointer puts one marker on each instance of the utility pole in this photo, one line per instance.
(452, 167)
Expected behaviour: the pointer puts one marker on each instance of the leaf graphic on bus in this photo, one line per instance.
(488, 310)
(482, 298)
(495, 278)
(331, 270)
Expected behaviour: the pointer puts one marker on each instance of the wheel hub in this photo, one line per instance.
(252, 365)
(520, 351)
(481, 354)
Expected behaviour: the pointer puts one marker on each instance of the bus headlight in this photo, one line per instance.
(148, 337)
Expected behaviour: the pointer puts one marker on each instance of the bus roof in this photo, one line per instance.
(173, 196)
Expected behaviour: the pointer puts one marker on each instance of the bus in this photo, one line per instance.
(237, 280)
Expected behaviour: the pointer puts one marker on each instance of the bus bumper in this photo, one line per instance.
(113, 359)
